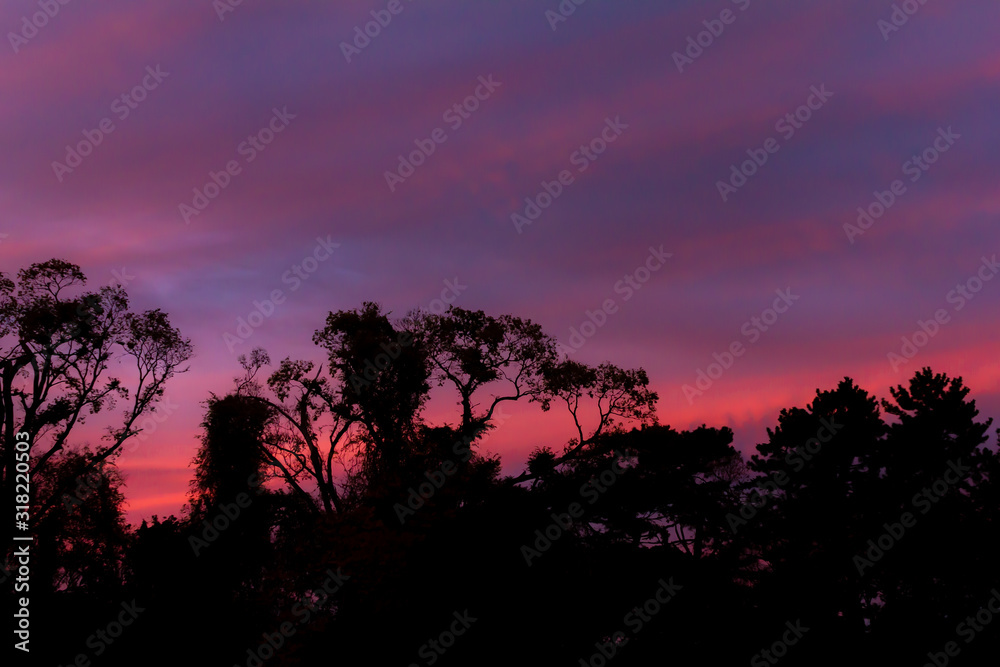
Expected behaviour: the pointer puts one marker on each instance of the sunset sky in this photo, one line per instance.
(199, 82)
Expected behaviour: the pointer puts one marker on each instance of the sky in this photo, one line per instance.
(656, 184)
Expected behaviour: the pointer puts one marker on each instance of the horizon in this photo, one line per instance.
(336, 175)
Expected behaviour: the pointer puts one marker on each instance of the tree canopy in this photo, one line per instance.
(330, 520)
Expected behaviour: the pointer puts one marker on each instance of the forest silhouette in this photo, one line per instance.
(329, 522)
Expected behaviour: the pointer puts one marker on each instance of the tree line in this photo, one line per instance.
(328, 519)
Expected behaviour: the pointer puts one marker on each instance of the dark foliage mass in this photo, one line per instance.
(330, 523)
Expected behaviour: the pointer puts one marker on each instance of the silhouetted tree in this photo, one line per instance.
(420, 518)
(384, 382)
(231, 512)
(469, 350)
(616, 394)
(232, 454)
(56, 343)
(812, 509)
(935, 466)
(82, 540)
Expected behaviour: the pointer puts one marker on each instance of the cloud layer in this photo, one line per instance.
(657, 184)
